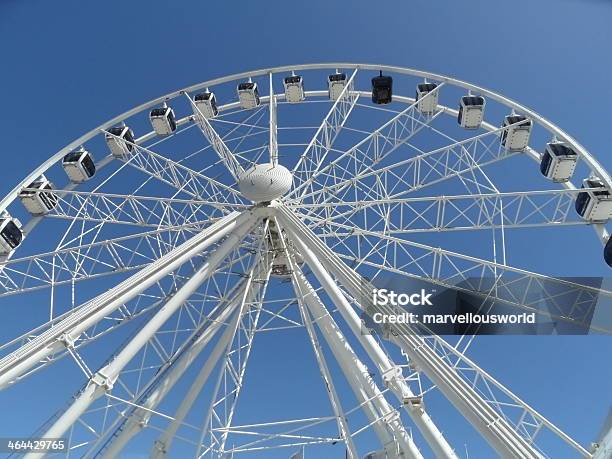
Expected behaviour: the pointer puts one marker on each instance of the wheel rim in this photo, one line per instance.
(371, 194)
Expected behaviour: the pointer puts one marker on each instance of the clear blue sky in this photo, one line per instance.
(67, 66)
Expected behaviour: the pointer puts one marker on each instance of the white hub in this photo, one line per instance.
(265, 182)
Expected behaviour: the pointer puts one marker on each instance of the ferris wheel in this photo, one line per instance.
(143, 262)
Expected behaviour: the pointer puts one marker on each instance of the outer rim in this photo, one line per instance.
(593, 164)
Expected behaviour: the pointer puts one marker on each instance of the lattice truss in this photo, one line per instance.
(153, 281)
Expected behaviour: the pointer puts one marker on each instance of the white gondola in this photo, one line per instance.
(120, 140)
(79, 165)
(594, 205)
(335, 84)
(163, 120)
(38, 197)
(471, 111)
(206, 103)
(516, 137)
(248, 94)
(427, 105)
(11, 234)
(294, 89)
(558, 162)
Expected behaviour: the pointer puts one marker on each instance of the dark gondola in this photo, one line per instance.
(382, 89)
(11, 235)
(594, 205)
(608, 252)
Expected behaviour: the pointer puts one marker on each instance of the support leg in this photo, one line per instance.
(103, 381)
(386, 419)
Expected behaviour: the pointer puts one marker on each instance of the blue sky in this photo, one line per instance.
(67, 66)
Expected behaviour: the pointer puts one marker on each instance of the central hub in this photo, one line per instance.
(265, 182)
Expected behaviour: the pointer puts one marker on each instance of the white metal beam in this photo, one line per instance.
(476, 378)
(69, 329)
(372, 149)
(162, 445)
(355, 371)
(520, 209)
(425, 169)
(178, 175)
(392, 374)
(223, 402)
(490, 424)
(566, 300)
(140, 416)
(319, 146)
(103, 380)
(133, 209)
(215, 140)
(273, 140)
(301, 292)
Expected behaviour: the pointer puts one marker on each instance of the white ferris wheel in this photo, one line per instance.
(148, 257)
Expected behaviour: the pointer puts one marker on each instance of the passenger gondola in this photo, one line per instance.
(248, 94)
(163, 120)
(294, 89)
(11, 234)
(79, 165)
(206, 102)
(558, 162)
(335, 84)
(516, 137)
(471, 112)
(594, 205)
(382, 89)
(120, 140)
(427, 104)
(38, 197)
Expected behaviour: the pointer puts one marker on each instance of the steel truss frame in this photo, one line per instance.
(212, 230)
(488, 418)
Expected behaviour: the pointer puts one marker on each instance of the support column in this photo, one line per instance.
(163, 443)
(385, 418)
(391, 373)
(103, 381)
(301, 293)
(273, 139)
(604, 447)
(139, 418)
(488, 422)
(68, 330)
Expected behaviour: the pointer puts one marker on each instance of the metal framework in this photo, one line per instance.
(160, 256)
